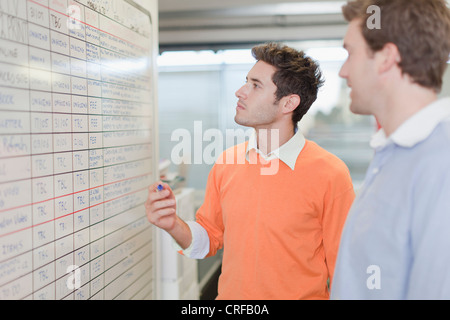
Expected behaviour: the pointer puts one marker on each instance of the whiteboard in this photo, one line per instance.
(76, 149)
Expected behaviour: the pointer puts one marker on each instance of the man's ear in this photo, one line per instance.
(388, 57)
(291, 102)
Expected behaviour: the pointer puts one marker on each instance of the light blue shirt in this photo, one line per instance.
(396, 240)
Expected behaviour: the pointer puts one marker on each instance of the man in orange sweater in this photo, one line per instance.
(278, 202)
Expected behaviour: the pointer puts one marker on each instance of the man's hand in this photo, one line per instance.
(161, 210)
(161, 207)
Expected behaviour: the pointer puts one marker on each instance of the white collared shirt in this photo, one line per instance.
(288, 152)
(417, 128)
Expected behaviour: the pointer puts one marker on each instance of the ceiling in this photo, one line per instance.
(213, 24)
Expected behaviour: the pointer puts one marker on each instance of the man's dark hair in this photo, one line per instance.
(295, 74)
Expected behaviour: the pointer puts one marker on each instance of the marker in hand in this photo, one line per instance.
(159, 187)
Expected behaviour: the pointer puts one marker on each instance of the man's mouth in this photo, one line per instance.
(240, 106)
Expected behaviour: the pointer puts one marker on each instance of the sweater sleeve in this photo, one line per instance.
(337, 204)
(209, 215)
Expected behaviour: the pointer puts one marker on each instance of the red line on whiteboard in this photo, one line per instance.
(72, 213)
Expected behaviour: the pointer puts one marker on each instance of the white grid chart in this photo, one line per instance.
(75, 150)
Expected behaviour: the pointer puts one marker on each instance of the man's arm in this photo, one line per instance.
(334, 218)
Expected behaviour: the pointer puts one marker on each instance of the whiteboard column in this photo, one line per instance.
(42, 153)
(76, 141)
(96, 230)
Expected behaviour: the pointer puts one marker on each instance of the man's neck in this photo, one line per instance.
(270, 139)
(402, 105)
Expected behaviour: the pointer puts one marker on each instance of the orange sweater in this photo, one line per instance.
(280, 232)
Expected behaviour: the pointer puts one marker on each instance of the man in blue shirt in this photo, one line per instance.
(396, 240)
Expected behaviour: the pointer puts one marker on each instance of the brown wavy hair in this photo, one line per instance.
(419, 28)
(295, 74)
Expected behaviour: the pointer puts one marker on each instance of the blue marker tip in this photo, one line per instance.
(160, 187)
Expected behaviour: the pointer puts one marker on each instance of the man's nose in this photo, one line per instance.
(242, 92)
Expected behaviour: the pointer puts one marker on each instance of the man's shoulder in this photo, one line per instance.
(317, 155)
(233, 155)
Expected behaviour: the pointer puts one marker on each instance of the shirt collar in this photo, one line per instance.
(417, 128)
(288, 152)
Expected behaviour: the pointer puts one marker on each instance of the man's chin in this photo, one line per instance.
(240, 121)
(359, 109)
